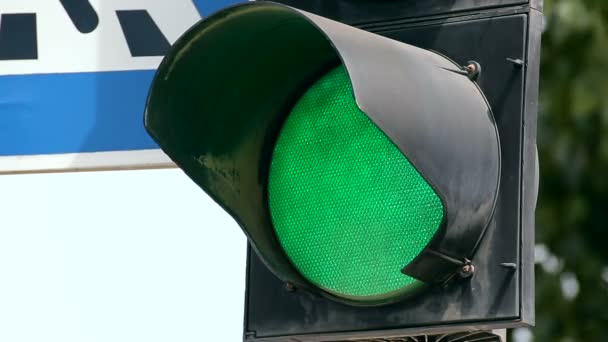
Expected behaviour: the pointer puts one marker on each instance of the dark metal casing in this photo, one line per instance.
(227, 154)
(423, 102)
(501, 292)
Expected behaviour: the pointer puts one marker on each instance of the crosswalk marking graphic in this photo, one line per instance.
(18, 34)
(63, 36)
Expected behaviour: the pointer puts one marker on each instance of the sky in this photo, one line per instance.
(117, 256)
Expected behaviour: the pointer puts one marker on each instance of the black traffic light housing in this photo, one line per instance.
(227, 152)
(425, 103)
(504, 37)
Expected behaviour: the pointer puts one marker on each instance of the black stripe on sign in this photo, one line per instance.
(142, 34)
(18, 36)
(82, 14)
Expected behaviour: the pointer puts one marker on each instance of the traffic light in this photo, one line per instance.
(386, 181)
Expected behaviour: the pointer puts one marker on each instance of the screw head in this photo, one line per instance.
(467, 270)
(473, 69)
(290, 287)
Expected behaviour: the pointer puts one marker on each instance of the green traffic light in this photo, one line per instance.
(347, 206)
(391, 172)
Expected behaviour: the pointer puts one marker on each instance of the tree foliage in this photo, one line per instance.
(572, 212)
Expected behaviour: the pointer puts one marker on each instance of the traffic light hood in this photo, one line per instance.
(223, 97)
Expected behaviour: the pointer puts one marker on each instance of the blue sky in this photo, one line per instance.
(117, 256)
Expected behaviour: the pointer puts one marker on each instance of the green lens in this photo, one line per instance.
(348, 208)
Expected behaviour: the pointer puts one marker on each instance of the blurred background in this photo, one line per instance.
(572, 213)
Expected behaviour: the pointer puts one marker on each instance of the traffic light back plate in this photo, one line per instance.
(500, 293)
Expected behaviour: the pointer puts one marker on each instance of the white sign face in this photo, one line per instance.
(118, 256)
(74, 76)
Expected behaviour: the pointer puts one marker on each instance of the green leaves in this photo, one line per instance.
(572, 215)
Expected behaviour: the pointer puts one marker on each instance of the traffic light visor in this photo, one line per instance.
(359, 167)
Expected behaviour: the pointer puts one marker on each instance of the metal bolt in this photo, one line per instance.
(473, 69)
(509, 265)
(518, 62)
(290, 287)
(467, 270)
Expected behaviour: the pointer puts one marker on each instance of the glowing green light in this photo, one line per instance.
(348, 208)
